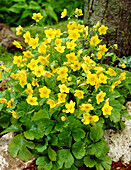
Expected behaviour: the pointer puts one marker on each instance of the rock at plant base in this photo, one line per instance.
(7, 37)
(119, 142)
(6, 161)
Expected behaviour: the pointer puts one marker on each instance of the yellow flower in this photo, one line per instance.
(111, 72)
(71, 57)
(95, 27)
(103, 78)
(117, 83)
(73, 34)
(58, 42)
(37, 17)
(92, 79)
(75, 66)
(27, 36)
(64, 13)
(86, 107)
(29, 90)
(60, 49)
(51, 103)
(100, 97)
(17, 44)
(85, 32)
(107, 109)
(5, 69)
(50, 33)
(123, 65)
(71, 45)
(33, 42)
(97, 85)
(34, 82)
(63, 118)
(28, 54)
(69, 78)
(57, 32)
(17, 60)
(33, 63)
(44, 92)
(42, 48)
(39, 71)
(10, 103)
(95, 40)
(63, 71)
(102, 49)
(14, 114)
(62, 97)
(2, 100)
(19, 30)
(32, 100)
(80, 28)
(79, 94)
(89, 119)
(23, 82)
(72, 25)
(99, 56)
(43, 60)
(63, 88)
(62, 79)
(102, 29)
(122, 76)
(78, 12)
(70, 107)
(85, 68)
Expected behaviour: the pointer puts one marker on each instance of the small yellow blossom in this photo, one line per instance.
(102, 49)
(28, 54)
(10, 103)
(86, 107)
(92, 79)
(29, 90)
(19, 30)
(71, 45)
(50, 33)
(63, 88)
(51, 103)
(102, 29)
(32, 100)
(63, 118)
(73, 34)
(37, 17)
(17, 60)
(62, 97)
(27, 36)
(14, 114)
(95, 40)
(33, 42)
(100, 97)
(60, 49)
(17, 44)
(111, 72)
(2, 100)
(95, 27)
(64, 13)
(107, 109)
(58, 42)
(79, 94)
(122, 76)
(44, 92)
(70, 107)
(78, 12)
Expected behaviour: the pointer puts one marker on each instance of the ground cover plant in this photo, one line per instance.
(60, 97)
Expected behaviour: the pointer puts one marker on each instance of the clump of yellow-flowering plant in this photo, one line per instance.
(61, 98)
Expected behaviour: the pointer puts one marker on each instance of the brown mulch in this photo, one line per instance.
(115, 166)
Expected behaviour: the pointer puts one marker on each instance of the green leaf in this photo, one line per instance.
(42, 113)
(12, 128)
(52, 154)
(117, 106)
(4, 121)
(115, 116)
(51, 83)
(18, 88)
(34, 5)
(54, 140)
(46, 125)
(89, 162)
(125, 114)
(78, 149)
(18, 146)
(96, 133)
(101, 148)
(42, 147)
(51, 12)
(78, 134)
(43, 162)
(65, 158)
(99, 166)
(106, 162)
